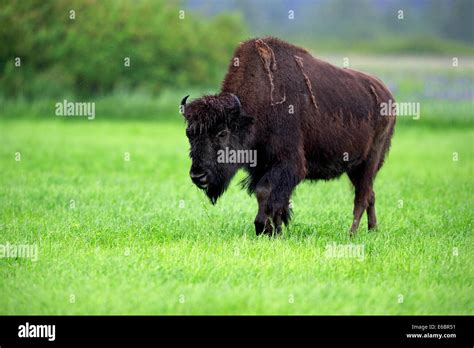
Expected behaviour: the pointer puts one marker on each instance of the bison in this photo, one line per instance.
(303, 117)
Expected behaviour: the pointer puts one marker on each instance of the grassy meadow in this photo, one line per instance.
(120, 228)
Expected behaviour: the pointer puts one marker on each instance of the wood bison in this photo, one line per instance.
(305, 118)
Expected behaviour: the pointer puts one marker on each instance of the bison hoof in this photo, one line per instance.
(268, 228)
(278, 230)
(373, 227)
(263, 227)
(259, 227)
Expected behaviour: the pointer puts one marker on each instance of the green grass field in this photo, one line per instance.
(136, 237)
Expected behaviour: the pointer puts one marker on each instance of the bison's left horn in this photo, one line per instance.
(237, 105)
(183, 104)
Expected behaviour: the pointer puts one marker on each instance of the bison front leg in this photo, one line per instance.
(273, 194)
(262, 222)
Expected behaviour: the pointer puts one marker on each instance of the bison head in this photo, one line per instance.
(215, 123)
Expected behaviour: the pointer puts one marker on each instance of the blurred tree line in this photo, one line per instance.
(87, 55)
(316, 23)
(85, 52)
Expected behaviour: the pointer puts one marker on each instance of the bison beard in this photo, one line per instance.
(219, 184)
(305, 118)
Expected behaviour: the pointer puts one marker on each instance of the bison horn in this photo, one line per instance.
(183, 104)
(237, 106)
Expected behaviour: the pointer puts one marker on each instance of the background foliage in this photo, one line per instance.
(85, 56)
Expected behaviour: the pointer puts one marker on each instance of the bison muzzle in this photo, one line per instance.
(303, 118)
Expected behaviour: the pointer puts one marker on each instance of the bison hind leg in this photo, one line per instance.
(362, 177)
(371, 216)
(287, 214)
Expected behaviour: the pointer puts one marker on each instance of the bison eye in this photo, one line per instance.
(222, 134)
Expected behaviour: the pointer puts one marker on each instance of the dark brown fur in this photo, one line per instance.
(336, 126)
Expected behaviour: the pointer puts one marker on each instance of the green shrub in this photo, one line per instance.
(85, 56)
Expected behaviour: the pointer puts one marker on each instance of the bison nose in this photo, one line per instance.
(199, 179)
